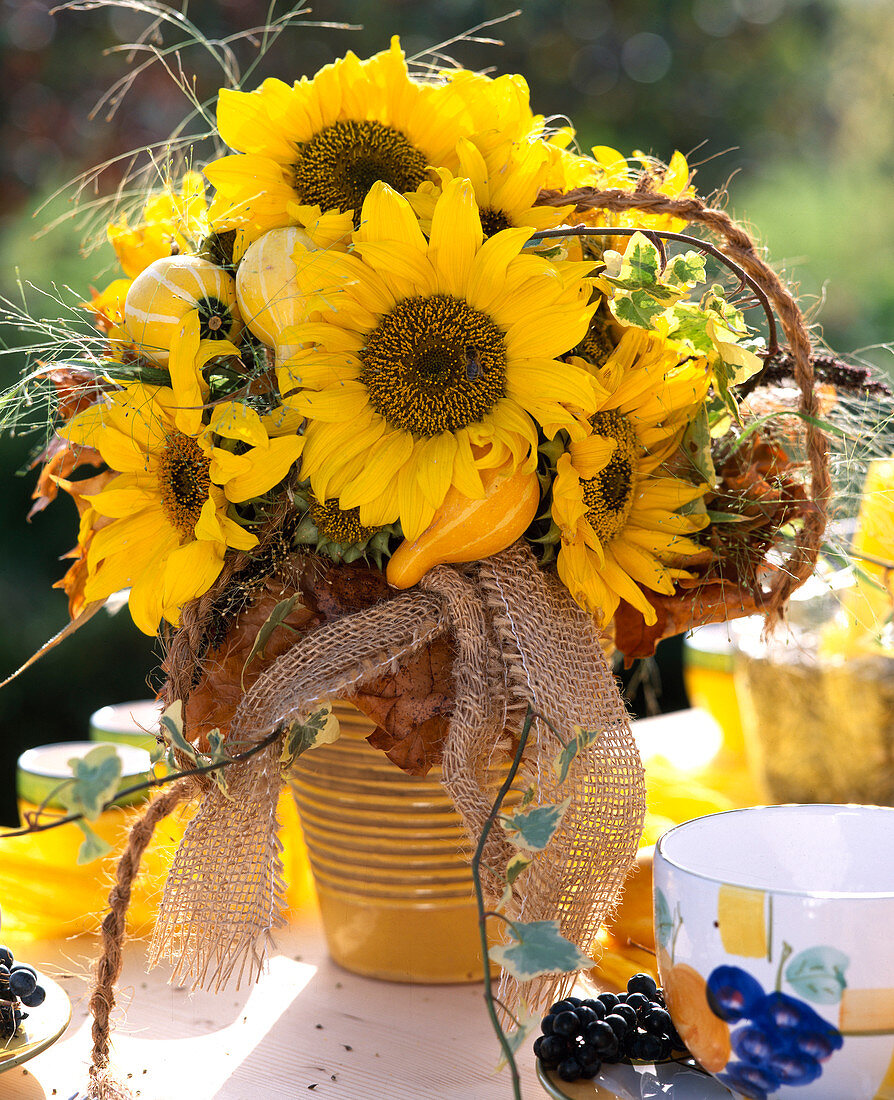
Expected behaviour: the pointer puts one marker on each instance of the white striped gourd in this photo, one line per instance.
(265, 284)
(161, 296)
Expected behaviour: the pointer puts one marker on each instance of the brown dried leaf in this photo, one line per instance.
(213, 702)
(60, 459)
(707, 601)
(412, 707)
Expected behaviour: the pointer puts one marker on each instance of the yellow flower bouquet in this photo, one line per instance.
(425, 408)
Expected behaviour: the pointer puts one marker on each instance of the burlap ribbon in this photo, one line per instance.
(519, 642)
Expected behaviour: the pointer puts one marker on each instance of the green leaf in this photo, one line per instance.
(92, 846)
(217, 754)
(817, 974)
(696, 445)
(518, 863)
(529, 1027)
(171, 723)
(581, 740)
(539, 948)
(319, 728)
(664, 922)
(686, 270)
(533, 829)
(95, 784)
(274, 620)
(638, 308)
(725, 517)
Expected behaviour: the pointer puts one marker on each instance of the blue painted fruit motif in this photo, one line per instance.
(778, 1039)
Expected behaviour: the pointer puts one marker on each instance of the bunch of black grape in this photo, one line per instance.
(18, 986)
(580, 1035)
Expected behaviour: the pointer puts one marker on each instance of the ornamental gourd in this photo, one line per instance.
(466, 529)
(164, 292)
(269, 299)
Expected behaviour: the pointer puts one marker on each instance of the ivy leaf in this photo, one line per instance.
(687, 269)
(518, 863)
(817, 974)
(95, 784)
(664, 922)
(171, 723)
(528, 1026)
(275, 619)
(533, 829)
(319, 728)
(217, 754)
(581, 740)
(92, 846)
(539, 948)
(639, 308)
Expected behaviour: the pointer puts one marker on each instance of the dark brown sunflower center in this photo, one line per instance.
(609, 495)
(184, 482)
(338, 166)
(341, 525)
(492, 221)
(434, 364)
(215, 319)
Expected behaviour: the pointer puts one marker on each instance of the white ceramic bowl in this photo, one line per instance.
(775, 934)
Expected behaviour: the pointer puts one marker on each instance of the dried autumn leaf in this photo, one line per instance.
(60, 459)
(707, 601)
(412, 708)
(213, 702)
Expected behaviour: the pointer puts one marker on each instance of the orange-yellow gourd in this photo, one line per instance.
(465, 529)
(162, 294)
(269, 300)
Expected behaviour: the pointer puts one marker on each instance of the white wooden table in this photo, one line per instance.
(308, 1028)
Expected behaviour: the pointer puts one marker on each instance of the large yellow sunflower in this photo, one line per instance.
(616, 509)
(170, 529)
(320, 144)
(426, 349)
(506, 179)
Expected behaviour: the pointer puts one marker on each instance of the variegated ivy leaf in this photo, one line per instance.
(528, 1027)
(275, 619)
(538, 948)
(171, 723)
(217, 754)
(533, 829)
(95, 783)
(582, 739)
(93, 846)
(518, 863)
(642, 291)
(319, 728)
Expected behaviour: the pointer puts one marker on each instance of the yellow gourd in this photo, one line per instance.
(268, 297)
(162, 294)
(465, 529)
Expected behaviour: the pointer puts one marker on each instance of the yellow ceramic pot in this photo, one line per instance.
(389, 857)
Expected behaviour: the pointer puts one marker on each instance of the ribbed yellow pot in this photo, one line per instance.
(389, 857)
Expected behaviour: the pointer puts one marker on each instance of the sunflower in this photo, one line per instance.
(320, 144)
(616, 509)
(170, 217)
(506, 179)
(169, 502)
(432, 359)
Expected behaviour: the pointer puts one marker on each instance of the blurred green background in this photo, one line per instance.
(783, 106)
